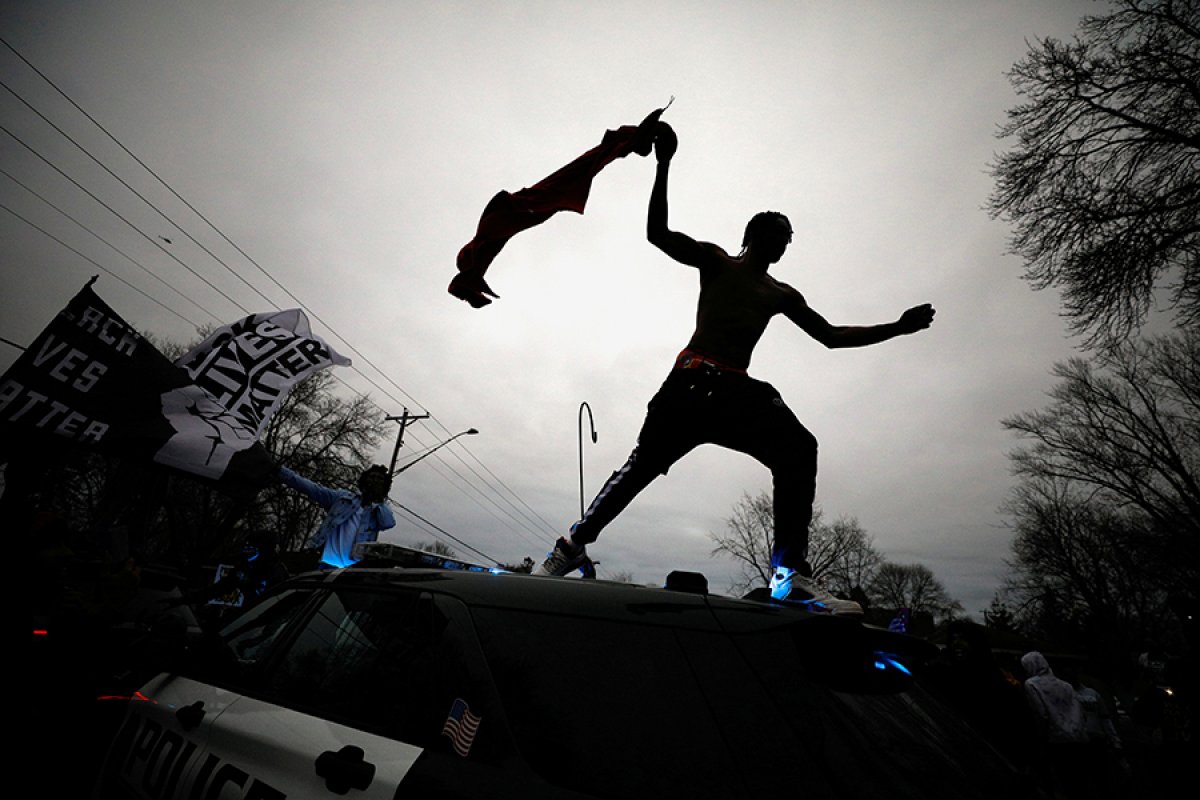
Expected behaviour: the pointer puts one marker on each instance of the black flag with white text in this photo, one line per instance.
(89, 378)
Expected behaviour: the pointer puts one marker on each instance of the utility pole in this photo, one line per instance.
(403, 419)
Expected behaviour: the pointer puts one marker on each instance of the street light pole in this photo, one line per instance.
(592, 425)
(468, 432)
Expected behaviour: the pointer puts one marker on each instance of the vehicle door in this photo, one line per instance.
(162, 744)
(843, 698)
(605, 701)
(376, 677)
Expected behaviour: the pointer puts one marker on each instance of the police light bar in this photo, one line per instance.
(377, 553)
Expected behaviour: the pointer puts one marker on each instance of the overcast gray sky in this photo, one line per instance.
(350, 147)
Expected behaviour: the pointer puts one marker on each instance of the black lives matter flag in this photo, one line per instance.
(250, 365)
(91, 379)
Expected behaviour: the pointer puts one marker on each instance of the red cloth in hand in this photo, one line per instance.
(566, 189)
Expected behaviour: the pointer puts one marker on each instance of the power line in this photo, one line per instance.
(467, 481)
(250, 259)
(497, 478)
(145, 200)
(147, 168)
(194, 210)
(98, 265)
(109, 244)
(121, 217)
(135, 192)
(478, 552)
(495, 509)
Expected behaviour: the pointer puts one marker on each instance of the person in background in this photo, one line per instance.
(1060, 759)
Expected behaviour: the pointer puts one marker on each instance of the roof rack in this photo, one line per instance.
(377, 553)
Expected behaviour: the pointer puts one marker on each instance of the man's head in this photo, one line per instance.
(769, 232)
(375, 483)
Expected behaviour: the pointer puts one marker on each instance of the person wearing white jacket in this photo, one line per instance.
(1061, 757)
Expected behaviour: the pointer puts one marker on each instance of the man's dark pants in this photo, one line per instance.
(708, 405)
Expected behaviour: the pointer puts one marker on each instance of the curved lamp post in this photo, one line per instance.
(592, 426)
(432, 450)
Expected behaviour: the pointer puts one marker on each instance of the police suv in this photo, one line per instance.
(443, 680)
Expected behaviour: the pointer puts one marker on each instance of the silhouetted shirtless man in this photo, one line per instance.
(709, 398)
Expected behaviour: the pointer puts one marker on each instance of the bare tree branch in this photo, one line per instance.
(1102, 182)
(840, 553)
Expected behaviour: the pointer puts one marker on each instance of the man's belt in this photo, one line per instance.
(690, 359)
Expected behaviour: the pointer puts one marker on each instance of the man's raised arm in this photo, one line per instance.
(678, 246)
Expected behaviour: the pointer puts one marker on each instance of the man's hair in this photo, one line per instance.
(377, 470)
(765, 221)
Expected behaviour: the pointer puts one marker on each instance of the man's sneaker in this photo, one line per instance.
(790, 586)
(563, 558)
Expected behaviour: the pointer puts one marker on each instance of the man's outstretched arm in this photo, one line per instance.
(321, 495)
(678, 246)
(917, 318)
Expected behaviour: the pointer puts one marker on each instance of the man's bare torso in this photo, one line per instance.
(736, 302)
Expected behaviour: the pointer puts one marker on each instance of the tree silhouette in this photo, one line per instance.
(1102, 182)
(1107, 505)
(841, 553)
(912, 586)
(1123, 429)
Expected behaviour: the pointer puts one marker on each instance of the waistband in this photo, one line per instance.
(690, 359)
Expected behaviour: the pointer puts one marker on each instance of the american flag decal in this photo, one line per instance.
(461, 726)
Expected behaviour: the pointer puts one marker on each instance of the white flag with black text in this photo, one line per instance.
(250, 365)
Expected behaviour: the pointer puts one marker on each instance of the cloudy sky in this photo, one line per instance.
(348, 148)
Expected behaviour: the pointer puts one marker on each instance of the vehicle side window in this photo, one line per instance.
(248, 641)
(379, 661)
(916, 750)
(250, 637)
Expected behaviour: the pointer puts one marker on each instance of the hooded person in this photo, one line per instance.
(1053, 701)
(1059, 718)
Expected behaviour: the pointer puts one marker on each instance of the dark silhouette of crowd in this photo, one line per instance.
(1069, 731)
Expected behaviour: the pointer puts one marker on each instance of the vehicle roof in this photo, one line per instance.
(597, 599)
(845, 648)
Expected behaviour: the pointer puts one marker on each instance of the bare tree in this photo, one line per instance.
(749, 531)
(1107, 505)
(176, 518)
(841, 553)
(847, 555)
(437, 548)
(1102, 183)
(1124, 430)
(912, 586)
(1083, 573)
(526, 566)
